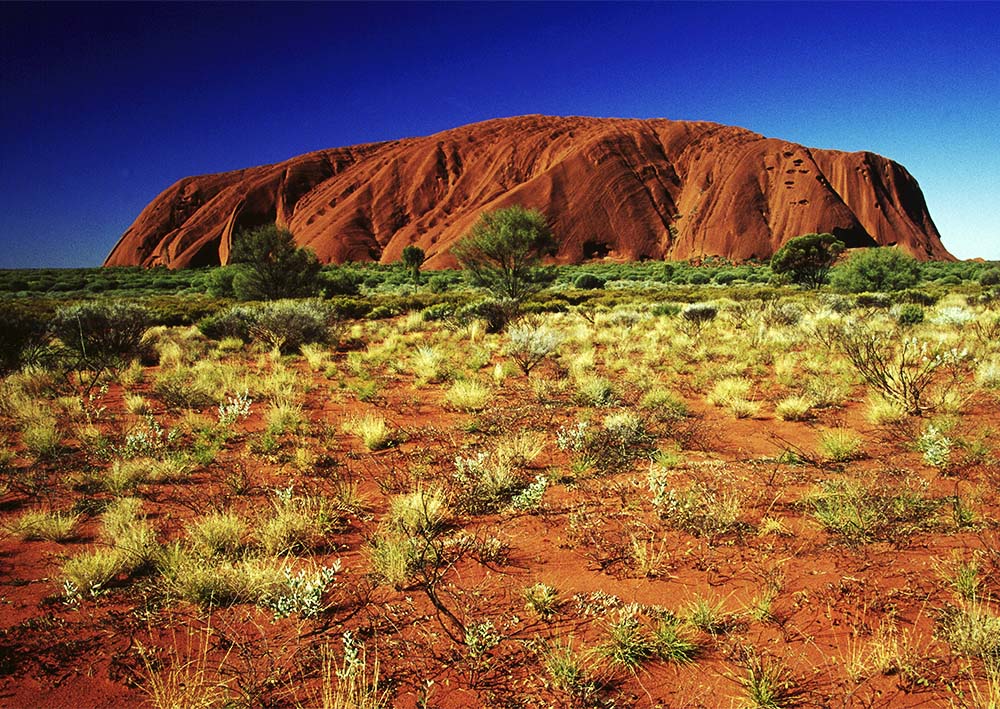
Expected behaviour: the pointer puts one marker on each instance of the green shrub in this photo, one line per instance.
(807, 259)
(502, 250)
(219, 283)
(285, 324)
(438, 311)
(271, 266)
(382, 312)
(666, 309)
(917, 297)
(338, 281)
(101, 335)
(588, 281)
(440, 282)
(990, 277)
(872, 300)
(910, 314)
(289, 324)
(233, 322)
(877, 270)
(495, 313)
(23, 338)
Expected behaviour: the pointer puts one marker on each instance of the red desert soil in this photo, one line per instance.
(831, 597)
(618, 188)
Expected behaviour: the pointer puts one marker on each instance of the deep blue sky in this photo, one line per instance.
(104, 106)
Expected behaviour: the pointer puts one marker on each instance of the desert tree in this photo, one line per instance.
(807, 259)
(502, 252)
(413, 259)
(503, 248)
(271, 266)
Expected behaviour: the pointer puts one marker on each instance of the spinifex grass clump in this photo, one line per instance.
(859, 514)
(218, 534)
(218, 582)
(542, 600)
(468, 395)
(733, 393)
(632, 641)
(45, 525)
(567, 669)
(372, 429)
(485, 482)
(767, 683)
(429, 365)
(296, 523)
(794, 408)
(629, 645)
(840, 445)
(423, 512)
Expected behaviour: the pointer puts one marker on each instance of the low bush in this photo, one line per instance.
(990, 276)
(289, 324)
(101, 335)
(859, 514)
(900, 368)
(24, 337)
(588, 281)
(910, 314)
(877, 270)
(285, 324)
(697, 315)
(528, 345)
(610, 448)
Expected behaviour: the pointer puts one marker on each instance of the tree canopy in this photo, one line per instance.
(503, 249)
(807, 259)
(413, 259)
(271, 266)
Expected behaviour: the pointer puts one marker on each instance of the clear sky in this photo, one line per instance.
(104, 106)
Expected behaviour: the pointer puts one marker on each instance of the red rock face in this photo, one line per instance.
(616, 188)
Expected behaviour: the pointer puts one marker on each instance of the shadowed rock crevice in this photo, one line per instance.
(611, 188)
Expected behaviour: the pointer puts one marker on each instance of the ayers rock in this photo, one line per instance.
(618, 188)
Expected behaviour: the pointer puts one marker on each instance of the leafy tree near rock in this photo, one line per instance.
(271, 266)
(503, 249)
(882, 270)
(413, 259)
(807, 259)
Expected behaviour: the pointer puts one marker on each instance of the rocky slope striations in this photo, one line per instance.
(618, 188)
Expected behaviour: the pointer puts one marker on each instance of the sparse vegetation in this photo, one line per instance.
(431, 493)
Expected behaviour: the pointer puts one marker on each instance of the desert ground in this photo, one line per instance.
(775, 502)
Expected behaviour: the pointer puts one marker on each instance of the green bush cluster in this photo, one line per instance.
(285, 324)
(23, 334)
(588, 281)
(878, 270)
(101, 334)
(910, 314)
